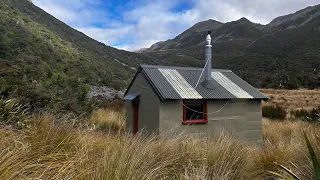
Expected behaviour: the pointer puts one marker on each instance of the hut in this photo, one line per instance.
(192, 100)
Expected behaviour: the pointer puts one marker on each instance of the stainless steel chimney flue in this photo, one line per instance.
(207, 83)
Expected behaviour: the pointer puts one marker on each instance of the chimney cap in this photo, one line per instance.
(208, 39)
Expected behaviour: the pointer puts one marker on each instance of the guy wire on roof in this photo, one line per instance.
(197, 111)
(204, 112)
(201, 74)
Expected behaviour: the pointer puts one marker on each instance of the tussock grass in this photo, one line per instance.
(274, 112)
(222, 157)
(43, 150)
(312, 115)
(284, 144)
(57, 151)
(50, 149)
(293, 99)
(107, 120)
(297, 104)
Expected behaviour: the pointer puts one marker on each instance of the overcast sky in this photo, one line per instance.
(131, 25)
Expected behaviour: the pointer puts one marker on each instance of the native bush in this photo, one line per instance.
(300, 113)
(274, 112)
(312, 115)
(12, 112)
(50, 66)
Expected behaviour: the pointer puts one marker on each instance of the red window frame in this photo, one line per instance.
(198, 121)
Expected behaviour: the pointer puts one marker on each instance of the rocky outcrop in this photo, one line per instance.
(103, 93)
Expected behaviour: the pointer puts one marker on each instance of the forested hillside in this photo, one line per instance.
(50, 65)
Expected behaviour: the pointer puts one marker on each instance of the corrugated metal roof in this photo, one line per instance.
(230, 86)
(180, 83)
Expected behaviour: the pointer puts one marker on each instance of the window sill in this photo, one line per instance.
(195, 122)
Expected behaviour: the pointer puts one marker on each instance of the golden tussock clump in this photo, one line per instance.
(293, 99)
(46, 149)
(107, 120)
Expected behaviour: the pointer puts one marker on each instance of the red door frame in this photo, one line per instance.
(135, 118)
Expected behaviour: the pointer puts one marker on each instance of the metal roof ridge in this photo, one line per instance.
(180, 67)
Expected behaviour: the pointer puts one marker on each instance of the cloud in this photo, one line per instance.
(261, 11)
(76, 13)
(135, 46)
(137, 24)
(108, 35)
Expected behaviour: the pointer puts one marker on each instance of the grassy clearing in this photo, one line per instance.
(293, 99)
(46, 149)
(299, 104)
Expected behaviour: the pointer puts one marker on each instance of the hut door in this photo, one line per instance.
(134, 106)
(135, 117)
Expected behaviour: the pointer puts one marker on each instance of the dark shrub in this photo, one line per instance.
(306, 115)
(299, 113)
(274, 112)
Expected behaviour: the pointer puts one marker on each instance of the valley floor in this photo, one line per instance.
(52, 147)
(293, 99)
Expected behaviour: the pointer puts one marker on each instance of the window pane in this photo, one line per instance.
(194, 109)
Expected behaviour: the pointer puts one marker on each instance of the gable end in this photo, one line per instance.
(149, 82)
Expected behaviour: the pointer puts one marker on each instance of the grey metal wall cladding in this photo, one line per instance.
(164, 86)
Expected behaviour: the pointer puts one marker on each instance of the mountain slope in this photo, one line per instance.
(267, 56)
(240, 29)
(190, 37)
(193, 36)
(50, 65)
(299, 18)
